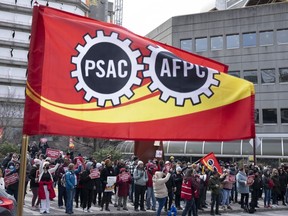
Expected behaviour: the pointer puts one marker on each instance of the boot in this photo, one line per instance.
(212, 212)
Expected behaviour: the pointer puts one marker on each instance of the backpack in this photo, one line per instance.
(63, 180)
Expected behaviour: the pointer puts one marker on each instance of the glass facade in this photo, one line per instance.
(284, 115)
(266, 38)
(249, 39)
(217, 43)
(283, 75)
(250, 75)
(234, 73)
(269, 116)
(232, 41)
(282, 36)
(186, 44)
(201, 44)
(268, 76)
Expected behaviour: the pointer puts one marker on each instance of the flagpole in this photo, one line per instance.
(254, 150)
(23, 164)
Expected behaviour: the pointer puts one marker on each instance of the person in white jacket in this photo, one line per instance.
(160, 189)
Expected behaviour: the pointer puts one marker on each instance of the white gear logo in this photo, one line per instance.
(89, 82)
(166, 93)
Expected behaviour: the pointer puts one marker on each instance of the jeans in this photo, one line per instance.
(69, 200)
(215, 201)
(150, 197)
(225, 197)
(267, 196)
(161, 203)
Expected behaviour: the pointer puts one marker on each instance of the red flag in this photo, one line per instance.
(211, 162)
(93, 79)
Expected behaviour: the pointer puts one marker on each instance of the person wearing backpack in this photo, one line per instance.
(88, 185)
(70, 184)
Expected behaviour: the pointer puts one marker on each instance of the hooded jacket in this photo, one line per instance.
(140, 176)
(160, 189)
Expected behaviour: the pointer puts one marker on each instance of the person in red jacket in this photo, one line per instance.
(151, 169)
(123, 182)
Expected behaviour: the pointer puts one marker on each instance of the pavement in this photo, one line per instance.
(54, 210)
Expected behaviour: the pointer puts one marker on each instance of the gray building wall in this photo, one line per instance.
(238, 21)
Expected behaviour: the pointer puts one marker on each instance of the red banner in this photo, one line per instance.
(11, 179)
(94, 79)
(211, 162)
(53, 153)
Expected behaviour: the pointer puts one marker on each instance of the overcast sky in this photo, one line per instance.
(142, 16)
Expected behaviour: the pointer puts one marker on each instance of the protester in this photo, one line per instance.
(46, 189)
(214, 184)
(140, 179)
(283, 180)
(187, 193)
(88, 184)
(150, 196)
(178, 178)
(243, 188)
(267, 186)
(70, 184)
(160, 189)
(123, 181)
(105, 173)
(98, 189)
(13, 168)
(276, 188)
(34, 185)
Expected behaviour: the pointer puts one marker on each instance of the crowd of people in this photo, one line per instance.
(157, 185)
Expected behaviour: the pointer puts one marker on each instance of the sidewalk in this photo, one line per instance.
(54, 210)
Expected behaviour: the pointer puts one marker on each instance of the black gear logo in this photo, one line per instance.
(106, 68)
(178, 79)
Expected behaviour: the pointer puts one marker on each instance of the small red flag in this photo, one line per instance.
(211, 162)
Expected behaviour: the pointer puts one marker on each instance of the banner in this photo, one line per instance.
(53, 153)
(93, 79)
(11, 179)
(211, 162)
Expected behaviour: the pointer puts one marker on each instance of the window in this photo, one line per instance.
(256, 116)
(283, 75)
(282, 36)
(249, 39)
(284, 115)
(250, 75)
(234, 73)
(266, 38)
(269, 116)
(186, 44)
(272, 146)
(232, 41)
(217, 43)
(268, 76)
(201, 44)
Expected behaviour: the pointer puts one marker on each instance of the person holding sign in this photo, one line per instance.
(107, 172)
(123, 182)
(12, 178)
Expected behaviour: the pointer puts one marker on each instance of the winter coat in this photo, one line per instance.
(86, 181)
(241, 181)
(283, 178)
(160, 189)
(41, 192)
(107, 171)
(123, 186)
(276, 188)
(32, 176)
(265, 179)
(71, 179)
(214, 184)
(178, 178)
(140, 177)
(170, 184)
